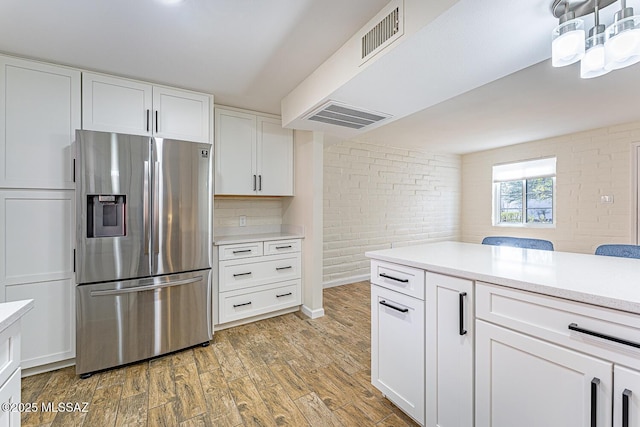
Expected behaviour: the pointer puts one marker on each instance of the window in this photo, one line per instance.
(524, 193)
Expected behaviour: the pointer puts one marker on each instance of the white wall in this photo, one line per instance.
(258, 210)
(376, 196)
(589, 164)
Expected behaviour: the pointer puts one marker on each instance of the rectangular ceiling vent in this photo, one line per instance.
(384, 32)
(338, 114)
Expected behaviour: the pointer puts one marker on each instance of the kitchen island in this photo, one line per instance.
(506, 332)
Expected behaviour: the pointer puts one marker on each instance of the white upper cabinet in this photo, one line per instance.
(39, 113)
(112, 104)
(254, 155)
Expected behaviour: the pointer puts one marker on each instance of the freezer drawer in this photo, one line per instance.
(126, 321)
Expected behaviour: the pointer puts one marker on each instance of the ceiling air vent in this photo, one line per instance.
(334, 113)
(386, 30)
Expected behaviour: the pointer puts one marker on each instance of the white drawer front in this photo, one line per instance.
(550, 318)
(252, 302)
(281, 246)
(264, 270)
(240, 251)
(9, 351)
(400, 278)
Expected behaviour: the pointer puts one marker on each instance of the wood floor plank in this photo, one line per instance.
(111, 377)
(315, 411)
(262, 377)
(330, 394)
(351, 415)
(282, 408)
(230, 363)
(393, 421)
(206, 359)
(199, 421)
(163, 415)
(60, 380)
(132, 411)
(136, 380)
(162, 388)
(290, 381)
(103, 409)
(252, 409)
(220, 404)
(189, 392)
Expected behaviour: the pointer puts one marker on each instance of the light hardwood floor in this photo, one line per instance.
(288, 370)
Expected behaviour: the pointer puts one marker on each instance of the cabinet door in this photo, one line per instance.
(179, 114)
(39, 113)
(397, 349)
(274, 158)
(449, 351)
(110, 104)
(626, 397)
(526, 382)
(10, 393)
(235, 153)
(36, 262)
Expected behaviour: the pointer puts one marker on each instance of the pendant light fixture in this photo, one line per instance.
(593, 62)
(567, 46)
(606, 49)
(622, 47)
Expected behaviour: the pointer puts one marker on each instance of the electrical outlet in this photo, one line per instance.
(606, 198)
(243, 220)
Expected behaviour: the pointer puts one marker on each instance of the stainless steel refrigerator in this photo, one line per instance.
(143, 242)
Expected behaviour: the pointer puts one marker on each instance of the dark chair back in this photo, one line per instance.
(518, 242)
(623, 251)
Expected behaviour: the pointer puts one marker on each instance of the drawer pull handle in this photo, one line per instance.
(241, 305)
(594, 401)
(461, 297)
(574, 327)
(394, 278)
(241, 274)
(243, 251)
(284, 268)
(626, 394)
(401, 310)
(284, 295)
(284, 247)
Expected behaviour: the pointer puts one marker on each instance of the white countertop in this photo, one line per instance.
(600, 280)
(10, 312)
(246, 238)
(259, 233)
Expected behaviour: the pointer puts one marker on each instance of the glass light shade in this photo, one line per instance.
(622, 47)
(567, 44)
(592, 64)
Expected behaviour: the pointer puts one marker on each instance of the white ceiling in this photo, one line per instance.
(477, 77)
(248, 53)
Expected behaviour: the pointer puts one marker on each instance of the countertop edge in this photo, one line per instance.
(249, 238)
(11, 312)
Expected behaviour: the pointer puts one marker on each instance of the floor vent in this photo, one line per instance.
(338, 114)
(385, 31)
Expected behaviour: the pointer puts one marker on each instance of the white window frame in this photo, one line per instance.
(523, 171)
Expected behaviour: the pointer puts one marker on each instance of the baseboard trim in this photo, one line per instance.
(221, 326)
(27, 372)
(312, 314)
(346, 281)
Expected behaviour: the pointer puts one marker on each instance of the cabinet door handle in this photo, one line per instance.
(574, 327)
(284, 247)
(394, 278)
(241, 274)
(243, 251)
(283, 295)
(626, 394)
(284, 268)
(147, 120)
(401, 310)
(461, 297)
(595, 382)
(254, 183)
(156, 121)
(241, 305)
(259, 182)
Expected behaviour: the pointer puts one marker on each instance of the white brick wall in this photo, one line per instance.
(589, 164)
(259, 211)
(376, 196)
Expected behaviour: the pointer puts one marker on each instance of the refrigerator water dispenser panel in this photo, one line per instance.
(106, 215)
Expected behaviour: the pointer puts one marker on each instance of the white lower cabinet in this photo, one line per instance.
(449, 351)
(626, 397)
(526, 382)
(397, 349)
(257, 278)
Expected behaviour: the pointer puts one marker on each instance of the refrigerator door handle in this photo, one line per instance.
(145, 207)
(156, 207)
(112, 292)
